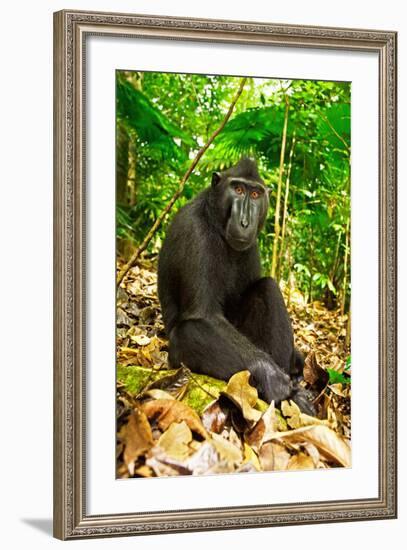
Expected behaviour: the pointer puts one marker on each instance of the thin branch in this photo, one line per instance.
(345, 268)
(200, 386)
(180, 189)
(335, 132)
(278, 198)
(285, 208)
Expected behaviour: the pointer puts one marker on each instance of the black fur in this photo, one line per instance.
(221, 317)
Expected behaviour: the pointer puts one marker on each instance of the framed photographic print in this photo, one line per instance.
(225, 274)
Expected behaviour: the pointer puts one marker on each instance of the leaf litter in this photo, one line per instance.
(175, 422)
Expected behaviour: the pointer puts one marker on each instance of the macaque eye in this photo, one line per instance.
(239, 190)
(255, 194)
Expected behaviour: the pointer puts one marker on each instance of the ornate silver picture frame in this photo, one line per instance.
(71, 518)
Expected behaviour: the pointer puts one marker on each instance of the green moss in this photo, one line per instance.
(201, 390)
(261, 405)
(136, 378)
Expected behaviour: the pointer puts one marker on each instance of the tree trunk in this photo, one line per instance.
(311, 263)
(132, 173)
(345, 269)
(348, 331)
(122, 164)
(290, 278)
(136, 79)
(278, 198)
(331, 298)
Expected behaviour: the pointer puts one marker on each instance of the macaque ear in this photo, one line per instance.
(215, 178)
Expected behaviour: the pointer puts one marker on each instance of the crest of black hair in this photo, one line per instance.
(245, 168)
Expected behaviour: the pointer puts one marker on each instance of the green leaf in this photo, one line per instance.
(151, 126)
(331, 286)
(336, 377)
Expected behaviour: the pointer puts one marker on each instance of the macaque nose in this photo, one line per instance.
(244, 222)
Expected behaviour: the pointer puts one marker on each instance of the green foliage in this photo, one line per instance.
(168, 117)
(150, 125)
(336, 377)
(124, 224)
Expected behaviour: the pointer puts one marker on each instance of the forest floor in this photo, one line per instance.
(175, 422)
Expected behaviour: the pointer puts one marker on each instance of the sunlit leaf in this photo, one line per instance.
(175, 440)
(266, 426)
(226, 450)
(328, 442)
(300, 461)
(243, 395)
(137, 438)
(167, 411)
(250, 456)
(274, 456)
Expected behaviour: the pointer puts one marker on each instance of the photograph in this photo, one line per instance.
(233, 262)
(202, 259)
(225, 274)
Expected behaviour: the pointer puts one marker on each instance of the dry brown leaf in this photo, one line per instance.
(157, 394)
(195, 445)
(122, 319)
(167, 411)
(226, 450)
(137, 438)
(121, 296)
(234, 438)
(274, 456)
(337, 389)
(250, 456)
(205, 458)
(300, 461)
(315, 375)
(214, 417)
(135, 330)
(264, 428)
(163, 465)
(144, 471)
(331, 445)
(122, 472)
(292, 413)
(147, 315)
(221, 467)
(175, 440)
(243, 395)
(297, 419)
(146, 354)
(313, 452)
(320, 333)
(308, 338)
(204, 461)
(140, 339)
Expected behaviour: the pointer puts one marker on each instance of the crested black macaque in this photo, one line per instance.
(220, 315)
